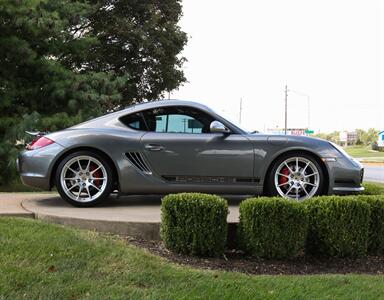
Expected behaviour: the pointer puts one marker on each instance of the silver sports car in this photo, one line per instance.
(174, 146)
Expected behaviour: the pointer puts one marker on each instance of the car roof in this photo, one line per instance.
(105, 119)
(162, 102)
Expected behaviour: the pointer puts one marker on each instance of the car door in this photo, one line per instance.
(179, 147)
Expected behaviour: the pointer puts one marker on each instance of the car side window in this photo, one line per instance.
(177, 119)
(178, 123)
(134, 121)
(169, 119)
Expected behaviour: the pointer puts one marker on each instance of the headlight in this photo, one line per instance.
(340, 149)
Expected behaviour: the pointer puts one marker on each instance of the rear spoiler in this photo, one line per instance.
(37, 133)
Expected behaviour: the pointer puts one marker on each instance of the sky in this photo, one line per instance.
(330, 50)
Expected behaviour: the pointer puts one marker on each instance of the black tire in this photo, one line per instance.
(271, 189)
(109, 181)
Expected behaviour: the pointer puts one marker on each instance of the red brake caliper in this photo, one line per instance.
(283, 179)
(97, 174)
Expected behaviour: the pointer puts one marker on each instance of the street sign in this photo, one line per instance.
(297, 132)
(309, 131)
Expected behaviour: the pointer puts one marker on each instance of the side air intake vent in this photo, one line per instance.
(137, 160)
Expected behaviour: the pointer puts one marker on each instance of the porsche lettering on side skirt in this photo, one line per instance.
(207, 179)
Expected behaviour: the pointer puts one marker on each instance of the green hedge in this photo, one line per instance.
(272, 227)
(376, 226)
(338, 226)
(194, 223)
(341, 226)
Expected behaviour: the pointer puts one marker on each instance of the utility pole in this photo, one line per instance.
(286, 108)
(308, 105)
(241, 109)
(185, 124)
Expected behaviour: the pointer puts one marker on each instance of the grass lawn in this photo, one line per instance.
(373, 188)
(364, 152)
(45, 261)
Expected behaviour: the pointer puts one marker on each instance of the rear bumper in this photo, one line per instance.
(35, 181)
(35, 166)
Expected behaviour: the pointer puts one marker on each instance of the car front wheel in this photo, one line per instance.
(84, 179)
(296, 176)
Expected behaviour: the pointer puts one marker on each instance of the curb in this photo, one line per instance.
(148, 231)
(145, 231)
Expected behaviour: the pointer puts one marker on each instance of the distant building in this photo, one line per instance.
(348, 137)
(380, 139)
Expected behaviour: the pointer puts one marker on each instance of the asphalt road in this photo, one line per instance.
(374, 173)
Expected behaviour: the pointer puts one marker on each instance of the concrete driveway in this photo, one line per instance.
(125, 208)
(10, 203)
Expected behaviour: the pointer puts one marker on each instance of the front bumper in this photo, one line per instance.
(346, 176)
(35, 166)
(340, 189)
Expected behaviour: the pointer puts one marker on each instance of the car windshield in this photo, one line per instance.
(230, 119)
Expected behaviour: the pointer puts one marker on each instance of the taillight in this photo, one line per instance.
(39, 142)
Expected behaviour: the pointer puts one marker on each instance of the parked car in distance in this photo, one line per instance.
(171, 146)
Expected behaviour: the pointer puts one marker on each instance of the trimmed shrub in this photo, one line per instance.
(373, 189)
(338, 226)
(376, 226)
(272, 227)
(194, 223)
(376, 147)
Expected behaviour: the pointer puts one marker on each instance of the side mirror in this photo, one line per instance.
(218, 127)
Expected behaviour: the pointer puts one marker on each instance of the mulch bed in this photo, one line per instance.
(237, 261)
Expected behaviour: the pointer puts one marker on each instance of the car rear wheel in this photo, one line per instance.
(84, 178)
(296, 176)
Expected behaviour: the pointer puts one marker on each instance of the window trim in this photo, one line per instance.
(145, 122)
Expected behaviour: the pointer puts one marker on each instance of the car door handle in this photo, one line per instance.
(153, 147)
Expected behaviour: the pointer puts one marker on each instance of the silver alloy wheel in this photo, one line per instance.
(297, 178)
(83, 178)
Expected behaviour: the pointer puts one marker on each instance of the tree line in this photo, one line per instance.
(363, 137)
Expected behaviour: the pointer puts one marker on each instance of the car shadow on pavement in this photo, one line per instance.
(132, 200)
(151, 200)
